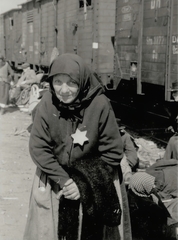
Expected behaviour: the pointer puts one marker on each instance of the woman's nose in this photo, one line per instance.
(64, 88)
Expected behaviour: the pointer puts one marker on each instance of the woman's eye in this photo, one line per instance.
(57, 81)
(72, 83)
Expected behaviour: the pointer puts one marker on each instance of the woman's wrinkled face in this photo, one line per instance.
(66, 89)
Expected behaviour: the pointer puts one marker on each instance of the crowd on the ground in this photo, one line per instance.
(66, 127)
(20, 90)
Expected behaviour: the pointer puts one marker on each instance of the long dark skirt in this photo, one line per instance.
(4, 93)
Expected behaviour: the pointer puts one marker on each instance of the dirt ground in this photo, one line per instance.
(16, 174)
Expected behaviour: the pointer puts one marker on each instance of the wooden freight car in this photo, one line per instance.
(82, 27)
(11, 35)
(146, 46)
(2, 41)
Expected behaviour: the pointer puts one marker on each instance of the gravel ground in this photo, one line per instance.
(16, 174)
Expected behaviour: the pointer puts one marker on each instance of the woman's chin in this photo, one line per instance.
(67, 101)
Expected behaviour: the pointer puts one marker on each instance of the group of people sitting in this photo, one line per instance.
(152, 190)
(15, 90)
(26, 91)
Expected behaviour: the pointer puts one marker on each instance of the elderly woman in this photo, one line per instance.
(77, 148)
(5, 77)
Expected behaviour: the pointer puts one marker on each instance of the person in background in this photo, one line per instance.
(27, 78)
(77, 148)
(6, 75)
(130, 159)
(172, 146)
(150, 219)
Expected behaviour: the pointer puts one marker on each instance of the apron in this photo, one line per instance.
(42, 221)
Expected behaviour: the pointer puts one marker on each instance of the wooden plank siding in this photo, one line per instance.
(24, 33)
(36, 34)
(174, 45)
(18, 41)
(126, 37)
(159, 40)
(47, 31)
(11, 30)
(66, 20)
(154, 42)
(106, 30)
(2, 34)
(30, 32)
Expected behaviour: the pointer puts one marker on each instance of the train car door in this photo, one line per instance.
(47, 36)
(30, 32)
(18, 36)
(85, 31)
(67, 26)
(2, 42)
(128, 26)
(160, 45)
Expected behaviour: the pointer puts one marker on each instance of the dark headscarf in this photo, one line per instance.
(74, 66)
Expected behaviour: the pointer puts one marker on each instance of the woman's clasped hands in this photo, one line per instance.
(70, 191)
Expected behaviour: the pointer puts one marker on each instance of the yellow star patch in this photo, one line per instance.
(79, 137)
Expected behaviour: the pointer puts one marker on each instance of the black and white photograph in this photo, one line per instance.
(89, 119)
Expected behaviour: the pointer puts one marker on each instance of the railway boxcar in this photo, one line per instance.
(82, 27)
(12, 35)
(146, 56)
(146, 45)
(2, 40)
(87, 30)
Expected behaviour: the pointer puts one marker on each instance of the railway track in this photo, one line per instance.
(158, 135)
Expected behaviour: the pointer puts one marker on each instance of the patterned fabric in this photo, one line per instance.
(141, 184)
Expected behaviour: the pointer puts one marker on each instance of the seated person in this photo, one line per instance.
(166, 175)
(150, 219)
(27, 78)
(130, 159)
(172, 147)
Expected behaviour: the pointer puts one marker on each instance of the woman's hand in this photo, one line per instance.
(70, 191)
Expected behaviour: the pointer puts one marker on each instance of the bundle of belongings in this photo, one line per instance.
(99, 201)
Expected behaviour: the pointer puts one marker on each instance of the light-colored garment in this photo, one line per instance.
(172, 148)
(5, 71)
(29, 76)
(125, 166)
(172, 207)
(42, 222)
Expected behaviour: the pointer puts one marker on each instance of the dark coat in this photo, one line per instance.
(51, 144)
(166, 174)
(100, 203)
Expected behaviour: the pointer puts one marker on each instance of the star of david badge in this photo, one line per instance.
(79, 137)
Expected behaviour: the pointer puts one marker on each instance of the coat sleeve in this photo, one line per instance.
(110, 142)
(41, 148)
